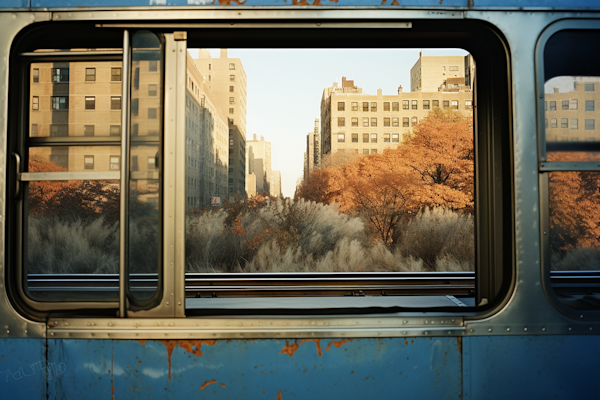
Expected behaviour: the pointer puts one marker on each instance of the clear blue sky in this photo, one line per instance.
(285, 88)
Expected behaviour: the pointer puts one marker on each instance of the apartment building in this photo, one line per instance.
(370, 123)
(312, 157)
(572, 109)
(226, 79)
(259, 163)
(431, 72)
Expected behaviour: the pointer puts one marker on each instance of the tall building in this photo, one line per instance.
(312, 158)
(259, 163)
(370, 123)
(226, 79)
(275, 183)
(432, 72)
(571, 105)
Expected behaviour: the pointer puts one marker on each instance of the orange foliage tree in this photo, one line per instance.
(434, 167)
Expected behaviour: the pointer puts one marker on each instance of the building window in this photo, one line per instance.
(386, 122)
(469, 104)
(590, 124)
(232, 66)
(354, 106)
(88, 162)
(395, 138)
(231, 100)
(115, 74)
(453, 68)
(151, 113)
(405, 105)
(365, 138)
(374, 121)
(373, 138)
(35, 103)
(60, 75)
(386, 106)
(395, 106)
(36, 75)
(151, 163)
(115, 130)
(231, 111)
(209, 79)
(373, 151)
(231, 88)
(553, 123)
(455, 104)
(90, 103)
(341, 106)
(435, 103)
(425, 104)
(232, 78)
(354, 121)
(355, 138)
(565, 104)
(341, 121)
(589, 87)
(341, 138)
(573, 104)
(152, 90)
(135, 107)
(153, 66)
(115, 102)
(90, 74)
(386, 138)
(373, 106)
(564, 122)
(366, 121)
(365, 151)
(415, 105)
(552, 105)
(365, 106)
(88, 130)
(59, 130)
(60, 103)
(446, 103)
(574, 123)
(115, 163)
(209, 67)
(545, 106)
(405, 122)
(395, 122)
(34, 130)
(589, 105)
(414, 121)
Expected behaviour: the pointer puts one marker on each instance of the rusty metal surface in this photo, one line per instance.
(24, 370)
(417, 368)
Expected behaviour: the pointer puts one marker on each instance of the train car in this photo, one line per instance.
(106, 128)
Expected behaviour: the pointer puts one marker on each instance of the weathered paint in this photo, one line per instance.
(24, 369)
(531, 367)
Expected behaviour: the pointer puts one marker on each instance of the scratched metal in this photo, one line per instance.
(415, 368)
(531, 367)
(23, 369)
(442, 4)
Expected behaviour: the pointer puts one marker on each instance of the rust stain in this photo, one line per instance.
(337, 343)
(279, 396)
(470, 4)
(305, 3)
(228, 2)
(395, 3)
(441, 1)
(142, 341)
(290, 349)
(405, 341)
(459, 343)
(222, 384)
(187, 345)
(207, 383)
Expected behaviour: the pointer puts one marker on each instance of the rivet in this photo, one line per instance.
(110, 324)
(449, 332)
(570, 328)
(7, 331)
(167, 303)
(51, 333)
(66, 324)
(404, 332)
(452, 319)
(178, 303)
(591, 328)
(581, 316)
(404, 322)
(25, 331)
(543, 329)
(490, 329)
(426, 332)
(507, 329)
(471, 331)
(525, 329)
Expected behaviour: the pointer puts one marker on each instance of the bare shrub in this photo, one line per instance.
(443, 239)
(581, 258)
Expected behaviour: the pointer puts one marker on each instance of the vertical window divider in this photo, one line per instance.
(124, 197)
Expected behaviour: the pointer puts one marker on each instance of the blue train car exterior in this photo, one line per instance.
(525, 344)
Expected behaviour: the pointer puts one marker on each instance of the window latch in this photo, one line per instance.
(18, 180)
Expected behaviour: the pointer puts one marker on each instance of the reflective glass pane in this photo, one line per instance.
(74, 159)
(65, 102)
(144, 183)
(72, 227)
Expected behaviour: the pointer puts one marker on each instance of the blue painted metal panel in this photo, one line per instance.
(23, 369)
(87, 368)
(15, 3)
(532, 367)
(418, 368)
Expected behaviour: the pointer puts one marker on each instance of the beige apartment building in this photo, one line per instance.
(312, 156)
(432, 72)
(370, 123)
(275, 183)
(226, 79)
(571, 110)
(259, 163)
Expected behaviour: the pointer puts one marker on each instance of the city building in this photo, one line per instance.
(259, 163)
(571, 106)
(312, 157)
(226, 79)
(275, 183)
(432, 72)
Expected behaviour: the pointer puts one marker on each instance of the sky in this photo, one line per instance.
(285, 87)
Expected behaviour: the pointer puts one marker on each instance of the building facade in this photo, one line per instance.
(259, 163)
(312, 157)
(431, 72)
